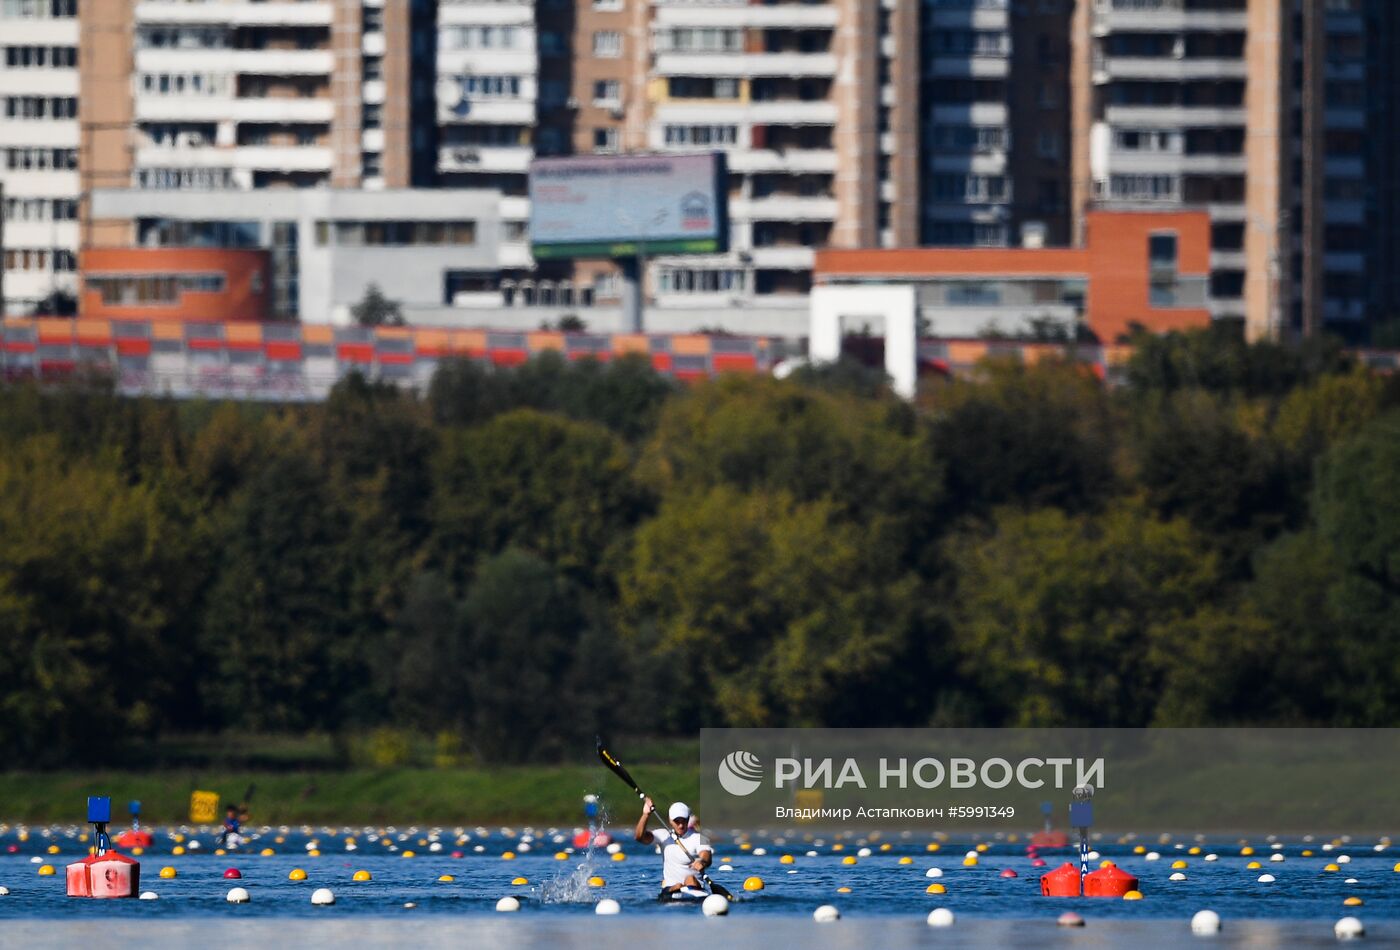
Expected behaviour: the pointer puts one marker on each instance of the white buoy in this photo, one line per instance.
(149, 896)
(409, 905)
(934, 872)
(435, 846)
(1349, 928)
(1152, 856)
(1351, 880)
(1343, 859)
(865, 853)
(940, 917)
(1276, 856)
(1205, 922)
(714, 906)
(607, 907)
(322, 896)
(237, 895)
(759, 852)
(193, 845)
(614, 848)
(1266, 879)
(811, 854)
(507, 905)
(825, 914)
(725, 867)
(1177, 876)
(1212, 857)
(36, 860)
(4, 891)
(1093, 855)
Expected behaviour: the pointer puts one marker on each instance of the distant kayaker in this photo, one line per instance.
(680, 866)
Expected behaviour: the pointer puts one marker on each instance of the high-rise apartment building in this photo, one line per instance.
(38, 152)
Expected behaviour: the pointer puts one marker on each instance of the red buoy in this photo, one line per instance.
(134, 838)
(106, 875)
(1109, 882)
(1050, 839)
(1061, 882)
(233, 873)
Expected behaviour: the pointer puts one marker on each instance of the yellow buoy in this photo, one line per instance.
(267, 852)
(904, 860)
(982, 848)
(1133, 896)
(935, 889)
(53, 849)
(361, 876)
(560, 856)
(167, 872)
(1106, 864)
(279, 840)
(843, 890)
(1178, 865)
(885, 847)
(970, 861)
(138, 851)
(619, 856)
(595, 881)
(849, 859)
(220, 851)
(1193, 850)
(179, 839)
(446, 878)
(754, 883)
(408, 854)
(1246, 851)
(508, 856)
(177, 850)
(788, 859)
(519, 881)
(296, 874)
(1353, 902)
(46, 870)
(932, 846)
(314, 853)
(1140, 849)
(745, 846)
(838, 846)
(83, 837)
(1307, 853)
(1332, 867)
(1253, 866)
(1397, 869)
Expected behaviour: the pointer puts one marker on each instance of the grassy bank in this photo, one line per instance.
(509, 794)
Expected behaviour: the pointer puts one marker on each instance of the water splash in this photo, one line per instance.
(570, 884)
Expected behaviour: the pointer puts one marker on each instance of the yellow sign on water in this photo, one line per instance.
(204, 807)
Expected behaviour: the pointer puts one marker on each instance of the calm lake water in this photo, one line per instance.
(886, 904)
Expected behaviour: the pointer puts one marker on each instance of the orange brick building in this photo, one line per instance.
(175, 283)
(1146, 268)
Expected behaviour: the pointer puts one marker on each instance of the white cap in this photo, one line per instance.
(679, 810)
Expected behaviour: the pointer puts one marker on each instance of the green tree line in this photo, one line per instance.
(518, 558)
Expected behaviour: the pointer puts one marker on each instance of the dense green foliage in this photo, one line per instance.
(520, 557)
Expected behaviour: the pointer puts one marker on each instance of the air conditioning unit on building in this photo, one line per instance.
(466, 156)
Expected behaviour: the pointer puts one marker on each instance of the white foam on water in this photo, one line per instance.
(570, 883)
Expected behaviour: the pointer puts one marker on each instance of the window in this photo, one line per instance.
(701, 135)
(696, 87)
(370, 115)
(607, 5)
(124, 290)
(41, 159)
(371, 164)
(607, 44)
(41, 107)
(38, 57)
(1162, 262)
(372, 67)
(607, 92)
(605, 140)
(700, 40)
(1047, 145)
(395, 233)
(696, 280)
(372, 20)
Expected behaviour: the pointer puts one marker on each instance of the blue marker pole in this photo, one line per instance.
(1081, 818)
(99, 815)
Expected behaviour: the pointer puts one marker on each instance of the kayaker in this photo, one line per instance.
(679, 869)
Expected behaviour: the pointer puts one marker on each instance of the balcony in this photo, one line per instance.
(1171, 163)
(259, 157)
(1109, 68)
(783, 208)
(996, 66)
(793, 16)
(790, 160)
(486, 13)
(785, 258)
(1168, 16)
(761, 113)
(1348, 262)
(251, 62)
(215, 109)
(488, 112)
(236, 13)
(485, 158)
(40, 133)
(1173, 116)
(38, 82)
(794, 65)
(974, 113)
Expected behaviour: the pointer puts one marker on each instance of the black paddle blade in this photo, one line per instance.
(615, 766)
(719, 889)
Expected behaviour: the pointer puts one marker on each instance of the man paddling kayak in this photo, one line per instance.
(683, 863)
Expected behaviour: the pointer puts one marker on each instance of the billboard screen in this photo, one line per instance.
(624, 205)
